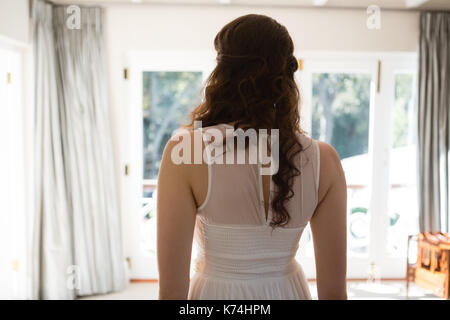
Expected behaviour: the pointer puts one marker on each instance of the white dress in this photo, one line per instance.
(240, 256)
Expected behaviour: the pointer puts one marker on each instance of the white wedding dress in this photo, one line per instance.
(240, 256)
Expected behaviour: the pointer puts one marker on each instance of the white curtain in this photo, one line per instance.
(52, 232)
(88, 152)
(82, 224)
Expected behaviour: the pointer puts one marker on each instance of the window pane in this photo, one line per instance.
(403, 209)
(340, 117)
(168, 97)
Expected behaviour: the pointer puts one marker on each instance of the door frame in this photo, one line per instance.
(18, 111)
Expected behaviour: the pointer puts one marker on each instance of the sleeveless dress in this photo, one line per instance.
(240, 256)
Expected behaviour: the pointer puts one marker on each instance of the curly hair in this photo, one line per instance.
(253, 86)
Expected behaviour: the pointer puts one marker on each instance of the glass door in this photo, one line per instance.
(364, 107)
(365, 112)
(341, 98)
(164, 89)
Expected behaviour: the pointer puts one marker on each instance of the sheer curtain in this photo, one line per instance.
(77, 238)
(88, 152)
(434, 121)
(52, 236)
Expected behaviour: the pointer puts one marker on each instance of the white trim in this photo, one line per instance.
(352, 55)
(150, 182)
(16, 166)
(199, 61)
(13, 44)
(415, 3)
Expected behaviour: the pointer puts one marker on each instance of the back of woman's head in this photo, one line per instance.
(253, 86)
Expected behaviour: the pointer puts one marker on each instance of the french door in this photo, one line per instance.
(364, 107)
(164, 87)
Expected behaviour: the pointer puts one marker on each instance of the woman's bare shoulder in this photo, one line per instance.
(329, 157)
(331, 171)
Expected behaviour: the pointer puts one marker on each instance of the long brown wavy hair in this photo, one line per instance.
(253, 86)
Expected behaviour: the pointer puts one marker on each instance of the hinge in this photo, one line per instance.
(15, 265)
(126, 73)
(379, 77)
(127, 170)
(300, 64)
(9, 77)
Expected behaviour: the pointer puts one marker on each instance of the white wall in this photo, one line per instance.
(165, 28)
(14, 20)
(158, 27)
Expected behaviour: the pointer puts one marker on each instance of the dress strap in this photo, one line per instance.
(317, 168)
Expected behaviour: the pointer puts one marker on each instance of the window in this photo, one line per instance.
(168, 98)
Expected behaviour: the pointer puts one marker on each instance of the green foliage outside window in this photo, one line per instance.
(341, 111)
(168, 97)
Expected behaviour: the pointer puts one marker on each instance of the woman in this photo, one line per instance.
(247, 224)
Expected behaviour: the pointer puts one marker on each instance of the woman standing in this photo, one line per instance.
(248, 224)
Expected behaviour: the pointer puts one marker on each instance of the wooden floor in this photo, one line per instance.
(357, 290)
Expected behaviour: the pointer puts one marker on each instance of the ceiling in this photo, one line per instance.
(383, 4)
